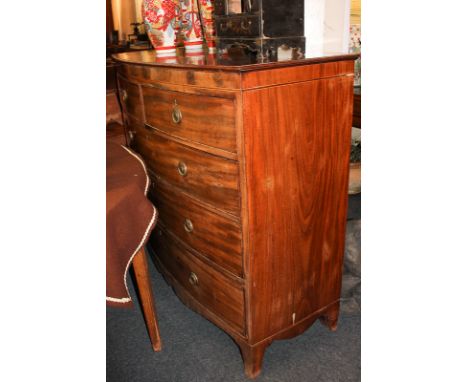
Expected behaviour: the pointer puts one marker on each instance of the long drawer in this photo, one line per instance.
(204, 119)
(211, 234)
(212, 289)
(212, 179)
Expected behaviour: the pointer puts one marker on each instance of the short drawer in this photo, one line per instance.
(130, 98)
(212, 235)
(209, 287)
(204, 119)
(209, 178)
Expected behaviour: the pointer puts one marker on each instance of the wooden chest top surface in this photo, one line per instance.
(226, 62)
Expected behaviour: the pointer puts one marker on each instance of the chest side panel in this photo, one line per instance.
(297, 141)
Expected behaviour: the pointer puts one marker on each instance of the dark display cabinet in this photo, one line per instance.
(265, 28)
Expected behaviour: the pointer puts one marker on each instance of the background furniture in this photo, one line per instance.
(113, 108)
(249, 165)
(357, 107)
(260, 26)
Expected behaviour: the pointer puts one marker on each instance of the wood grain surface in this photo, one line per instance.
(130, 98)
(145, 292)
(214, 290)
(272, 76)
(213, 79)
(297, 141)
(227, 62)
(204, 119)
(213, 235)
(210, 178)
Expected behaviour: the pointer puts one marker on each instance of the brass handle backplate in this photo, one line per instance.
(193, 279)
(182, 168)
(188, 225)
(176, 113)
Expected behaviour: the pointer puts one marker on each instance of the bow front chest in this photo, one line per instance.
(249, 171)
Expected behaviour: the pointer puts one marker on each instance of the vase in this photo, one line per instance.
(161, 19)
(191, 28)
(206, 13)
(355, 47)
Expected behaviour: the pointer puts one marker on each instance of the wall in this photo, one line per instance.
(327, 26)
(355, 11)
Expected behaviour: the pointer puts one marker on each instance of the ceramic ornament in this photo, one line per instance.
(206, 13)
(191, 27)
(161, 19)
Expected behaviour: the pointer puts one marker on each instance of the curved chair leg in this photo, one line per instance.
(140, 267)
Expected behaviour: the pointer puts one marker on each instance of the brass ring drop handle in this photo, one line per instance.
(193, 279)
(182, 168)
(176, 113)
(188, 225)
(124, 95)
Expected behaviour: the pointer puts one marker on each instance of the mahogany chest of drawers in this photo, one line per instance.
(249, 170)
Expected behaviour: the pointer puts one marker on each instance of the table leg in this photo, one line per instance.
(140, 266)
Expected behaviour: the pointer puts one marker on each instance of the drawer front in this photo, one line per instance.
(209, 287)
(207, 177)
(130, 98)
(132, 125)
(214, 236)
(200, 118)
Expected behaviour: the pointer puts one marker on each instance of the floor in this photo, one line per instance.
(194, 350)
